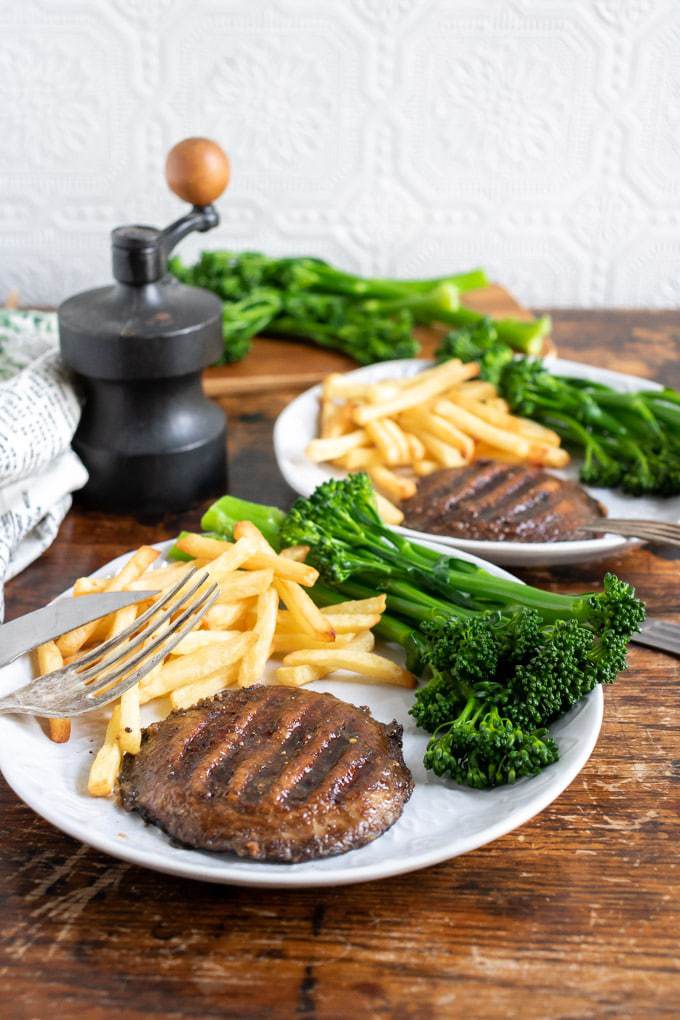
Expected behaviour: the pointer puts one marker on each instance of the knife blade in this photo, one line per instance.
(33, 629)
(660, 634)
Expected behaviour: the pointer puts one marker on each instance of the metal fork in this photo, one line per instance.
(94, 680)
(657, 532)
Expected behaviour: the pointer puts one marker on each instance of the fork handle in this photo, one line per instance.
(657, 532)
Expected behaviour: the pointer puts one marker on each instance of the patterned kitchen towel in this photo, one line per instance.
(39, 412)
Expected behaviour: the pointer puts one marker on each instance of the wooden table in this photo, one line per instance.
(575, 915)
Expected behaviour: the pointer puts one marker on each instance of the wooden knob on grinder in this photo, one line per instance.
(197, 170)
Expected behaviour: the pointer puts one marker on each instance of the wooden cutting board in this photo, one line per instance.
(293, 364)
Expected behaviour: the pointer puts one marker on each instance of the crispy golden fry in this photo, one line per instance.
(319, 450)
(390, 442)
(70, 643)
(130, 736)
(185, 697)
(243, 584)
(164, 577)
(297, 676)
(528, 429)
(89, 585)
(106, 765)
(394, 487)
(357, 460)
(255, 658)
(202, 639)
(366, 664)
(437, 381)
(390, 513)
(188, 669)
(290, 641)
(295, 552)
(341, 623)
(480, 429)
(374, 604)
(445, 454)
(416, 448)
(338, 421)
(49, 660)
(478, 389)
(220, 618)
(548, 456)
(425, 467)
(420, 419)
(306, 614)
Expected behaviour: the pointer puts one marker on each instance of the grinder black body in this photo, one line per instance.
(149, 438)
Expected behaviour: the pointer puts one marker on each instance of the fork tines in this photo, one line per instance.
(163, 625)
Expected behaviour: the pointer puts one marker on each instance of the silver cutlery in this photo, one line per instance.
(107, 671)
(659, 634)
(657, 532)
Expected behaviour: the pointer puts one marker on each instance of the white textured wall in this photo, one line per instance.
(540, 138)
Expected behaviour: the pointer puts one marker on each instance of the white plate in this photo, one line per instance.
(440, 821)
(297, 425)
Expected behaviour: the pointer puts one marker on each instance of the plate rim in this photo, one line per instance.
(510, 553)
(299, 879)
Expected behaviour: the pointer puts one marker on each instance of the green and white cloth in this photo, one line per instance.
(39, 412)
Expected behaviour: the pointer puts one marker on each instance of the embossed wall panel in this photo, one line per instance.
(540, 138)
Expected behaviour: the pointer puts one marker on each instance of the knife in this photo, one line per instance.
(659, 634)
(33, 629)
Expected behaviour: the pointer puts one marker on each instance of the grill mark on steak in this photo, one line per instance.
(494, 501)
(270, 773)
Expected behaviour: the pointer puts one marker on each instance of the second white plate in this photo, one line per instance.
(297, 425)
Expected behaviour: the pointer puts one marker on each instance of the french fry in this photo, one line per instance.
(267, 559)
(188, 669)
(185, 697)
(366, 664)
(374, 604)
(202, 639)
(420, 419)
(525, 427)
(106, 765)
(390, 442)
(548, 456)
(298, 676)
(130, 735)
(70, 643)
(319, 450)
(243, 584)
(305, 613)
(341, 623)
(357, 460)
(158, 580)
(89, 585)
(445, 454)
(480, 429)
(390, 513)
(478, 389)
(335, 420)
(49, 660)
(220, 618)
(290, 641)
(438, 381)
(416, 448)
(295, 552)
(394, 487)
(255, 658)
(425, 467)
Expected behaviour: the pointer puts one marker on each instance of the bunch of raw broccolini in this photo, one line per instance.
(368, 319)
(501, 660)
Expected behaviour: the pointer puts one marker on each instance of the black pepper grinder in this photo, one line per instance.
(149, 438)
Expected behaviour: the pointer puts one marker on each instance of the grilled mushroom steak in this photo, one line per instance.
(495, 502)
(272, 773)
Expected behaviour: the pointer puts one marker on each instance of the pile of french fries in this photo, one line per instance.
(263, 610)
(399, 430)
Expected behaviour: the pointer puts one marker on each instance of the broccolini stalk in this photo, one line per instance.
(229, 510)
(524, 337)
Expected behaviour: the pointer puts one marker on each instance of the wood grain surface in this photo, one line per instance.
(575, 915)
